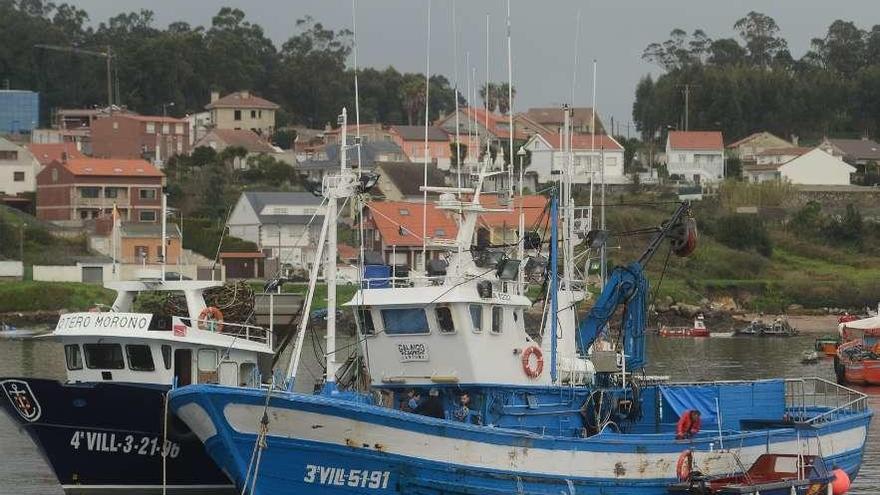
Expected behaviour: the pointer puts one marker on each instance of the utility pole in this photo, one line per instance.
(687, 97)
(21, 242)
(107, 55)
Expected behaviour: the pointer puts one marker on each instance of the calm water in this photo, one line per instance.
(23, 471)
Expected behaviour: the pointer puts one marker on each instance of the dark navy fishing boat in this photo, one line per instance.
(106, 430)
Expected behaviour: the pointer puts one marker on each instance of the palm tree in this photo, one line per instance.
(413, 96)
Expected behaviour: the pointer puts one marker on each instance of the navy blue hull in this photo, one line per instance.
(107, 437)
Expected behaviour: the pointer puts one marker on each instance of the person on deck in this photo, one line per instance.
(413, 400)
(689, 424)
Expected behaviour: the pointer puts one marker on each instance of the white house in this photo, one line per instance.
(589, 153)
(695, 156)
(18, 169)
(817, 167)
(278, 222)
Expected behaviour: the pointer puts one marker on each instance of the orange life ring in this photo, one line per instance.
(211, 318)
(683, 466)
(527, 362)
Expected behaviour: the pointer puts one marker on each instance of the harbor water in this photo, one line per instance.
(23, 471)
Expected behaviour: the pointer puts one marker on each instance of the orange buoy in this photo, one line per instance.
(841, 482)
(684, 464)
(527, 362)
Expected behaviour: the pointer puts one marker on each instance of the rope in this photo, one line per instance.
(259, 444)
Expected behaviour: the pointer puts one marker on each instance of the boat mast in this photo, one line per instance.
(554, 281)
(425, 160)
(330, 268)
(567, 210)
(164, 231)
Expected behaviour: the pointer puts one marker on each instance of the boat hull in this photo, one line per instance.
(108, 438)
(317, 444)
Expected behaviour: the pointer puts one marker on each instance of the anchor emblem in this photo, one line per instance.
(22, 398)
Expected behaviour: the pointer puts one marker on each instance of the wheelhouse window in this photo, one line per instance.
(104, 356)
(208, 360)
(140, 358)
(444, 319)
(365, 318)
(405, 321)
(477, 317)
(166, 356)
(73, 357)
(497, 319)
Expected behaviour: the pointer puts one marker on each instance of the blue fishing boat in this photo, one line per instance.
(465, 398)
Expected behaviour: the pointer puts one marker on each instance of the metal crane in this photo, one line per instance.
(106, 54)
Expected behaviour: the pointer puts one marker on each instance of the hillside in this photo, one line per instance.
(813, 255)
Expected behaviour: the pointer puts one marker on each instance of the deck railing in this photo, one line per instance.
(247, 332)
(809, 399)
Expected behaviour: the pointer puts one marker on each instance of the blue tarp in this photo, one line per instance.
(376, 276)
(701, 398)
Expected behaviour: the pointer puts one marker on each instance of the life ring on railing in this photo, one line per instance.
(527, 362)
(211, 318)
(683, 466)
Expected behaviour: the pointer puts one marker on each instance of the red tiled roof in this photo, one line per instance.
(48, 153)
(400, 222)
(112, 167)
(479, 115)
(583, 141)
(347, 252)
(696, 140)
(246, 255)
(533, 211)
(245, 138)
(242, 99)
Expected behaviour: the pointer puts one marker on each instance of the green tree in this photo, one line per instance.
(760, 34)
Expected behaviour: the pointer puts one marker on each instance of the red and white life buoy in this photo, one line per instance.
(683, 466)
(533, 372)
(211, 318)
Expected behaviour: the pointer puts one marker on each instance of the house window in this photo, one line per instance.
(148, 194)
(477, 317)
(90, 192)
(405, 321)
(151, 128)
(111, 192)
(74, 358)
(147, 216)
(260, 113)
(54, 175)
(178, 128)
(444, 319)
(237, 115)
(404, 212)
(115, 126)
(253, 114)
(18, 176)
(104, 356)
(140, 252)
(439, 233)
(8, 155)
(140, 358)
(84, 214)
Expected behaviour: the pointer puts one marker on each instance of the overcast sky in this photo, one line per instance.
(394, 32)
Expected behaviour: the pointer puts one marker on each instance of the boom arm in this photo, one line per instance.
(628, 286)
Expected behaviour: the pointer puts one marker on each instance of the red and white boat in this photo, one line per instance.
(697, 330)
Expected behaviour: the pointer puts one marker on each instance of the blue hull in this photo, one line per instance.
(319, 444)
(107, 437)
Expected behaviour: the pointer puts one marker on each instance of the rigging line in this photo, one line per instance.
(301, 237)
(457, 124)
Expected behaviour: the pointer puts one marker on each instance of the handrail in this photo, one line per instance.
(252, 333)
(832, 395)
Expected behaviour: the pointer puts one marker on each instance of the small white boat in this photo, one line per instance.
(809, 357)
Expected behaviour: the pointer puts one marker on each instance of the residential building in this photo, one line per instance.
(403, 181)
(199, 124)
(764, 165)
(590, 154)
(858, 152)
(749, 147)
(369, 133)
(45, 154)
(817, 167)
(19, 111)
(553, 118)
(77, 189)
(242, 110)
(695, 156)
(525, 124)
(411, 139)
(477, 128)
(243, 265)
(129, 136)
(307, 141)
(75, 125)
(220, 139)
(141, 243)
(284, 225)
(371, 152)
(17, 169)
(502, 227)
(395, 229)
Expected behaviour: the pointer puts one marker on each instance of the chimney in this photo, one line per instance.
(794, 139)
(245, 94)
(215, 95)
(63, 157)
